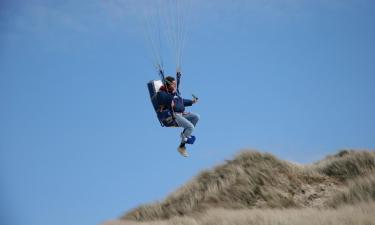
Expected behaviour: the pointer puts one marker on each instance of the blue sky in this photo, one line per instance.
(79, 142)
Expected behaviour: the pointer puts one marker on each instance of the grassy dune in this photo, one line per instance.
(347, 164)
(359, 190)
(361, 214)
(257, 185)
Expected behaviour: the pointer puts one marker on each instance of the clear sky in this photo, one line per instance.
(79, 140)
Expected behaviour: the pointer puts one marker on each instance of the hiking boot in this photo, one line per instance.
(182, 150)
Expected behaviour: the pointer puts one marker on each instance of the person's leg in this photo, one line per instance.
(186, 124)
(192, 117)
(188, 128)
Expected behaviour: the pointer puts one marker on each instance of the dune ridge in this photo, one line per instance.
(256, 183)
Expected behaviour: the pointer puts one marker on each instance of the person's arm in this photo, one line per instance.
(188, 102)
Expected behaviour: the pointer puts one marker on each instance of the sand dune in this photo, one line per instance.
(258, 188)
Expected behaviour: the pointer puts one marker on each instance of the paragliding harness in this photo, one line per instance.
(165, 115)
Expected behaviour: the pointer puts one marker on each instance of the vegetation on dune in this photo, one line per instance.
(359, 214)
(254, 180)
(361, 189)
(347, 164)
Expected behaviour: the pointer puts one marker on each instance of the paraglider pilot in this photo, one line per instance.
(169, 97)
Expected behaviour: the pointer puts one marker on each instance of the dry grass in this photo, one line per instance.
(361, 214)
(347, 164)
(359, 190)
(254, 180)
(251, 179)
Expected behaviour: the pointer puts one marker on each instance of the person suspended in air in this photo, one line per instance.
(170, 108)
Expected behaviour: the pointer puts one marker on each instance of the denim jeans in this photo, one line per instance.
(188, 122)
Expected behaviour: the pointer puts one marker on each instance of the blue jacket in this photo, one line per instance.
(165, 99)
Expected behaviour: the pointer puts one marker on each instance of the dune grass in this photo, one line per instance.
(358, 190)
(254, 180)
(360, 214)
(250, 178)
(347, 164)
